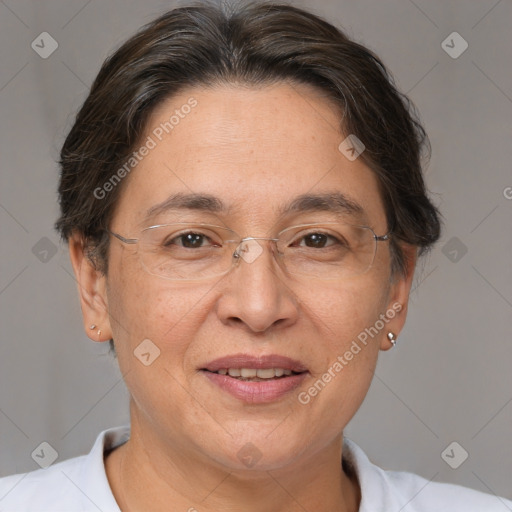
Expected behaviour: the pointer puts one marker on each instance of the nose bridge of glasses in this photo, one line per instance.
(249, 249)
(258, 238)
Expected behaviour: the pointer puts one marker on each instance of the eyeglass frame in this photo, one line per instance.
(134, 241)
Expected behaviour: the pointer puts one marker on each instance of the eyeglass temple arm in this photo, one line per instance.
(122, 238)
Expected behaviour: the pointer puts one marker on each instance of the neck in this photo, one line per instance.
(150, 475)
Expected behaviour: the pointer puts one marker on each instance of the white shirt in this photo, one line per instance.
(80, 485)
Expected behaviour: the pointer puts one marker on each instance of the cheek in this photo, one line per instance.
(152, 316)
(144, 307)
(348, 337)
(345, 310)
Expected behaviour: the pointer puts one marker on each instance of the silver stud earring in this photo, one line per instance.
(92, 327)
(392, 339)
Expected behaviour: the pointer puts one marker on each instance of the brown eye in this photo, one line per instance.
(316, 240)
(189, 240)
(192, 240)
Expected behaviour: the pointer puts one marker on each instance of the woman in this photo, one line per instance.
(243, 201)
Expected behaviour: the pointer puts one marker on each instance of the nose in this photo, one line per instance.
(256, 294)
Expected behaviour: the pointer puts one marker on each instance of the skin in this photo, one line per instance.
(256, 149)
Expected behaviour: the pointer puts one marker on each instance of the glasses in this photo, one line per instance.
(195, 251)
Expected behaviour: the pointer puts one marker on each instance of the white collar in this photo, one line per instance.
(81, 484)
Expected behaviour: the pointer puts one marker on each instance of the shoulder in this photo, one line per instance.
(79, 484)
(383, 490)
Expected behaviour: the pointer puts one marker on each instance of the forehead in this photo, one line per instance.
(256, 149)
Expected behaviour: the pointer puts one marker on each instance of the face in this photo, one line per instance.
(255, 151)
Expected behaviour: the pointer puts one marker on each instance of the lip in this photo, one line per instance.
(259, 392)
(256, 392)
(257, 362)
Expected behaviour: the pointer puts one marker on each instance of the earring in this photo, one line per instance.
(392, 339)
(92, 327)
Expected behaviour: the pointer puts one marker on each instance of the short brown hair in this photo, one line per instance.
(253, 43)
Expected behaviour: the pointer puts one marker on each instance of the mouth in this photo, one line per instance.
(255, 379)
(256, 374)
(246, 366)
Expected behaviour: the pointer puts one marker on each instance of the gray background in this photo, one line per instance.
(449, 380)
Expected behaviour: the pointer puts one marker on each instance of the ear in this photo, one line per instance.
(399, 296)
(92, 291)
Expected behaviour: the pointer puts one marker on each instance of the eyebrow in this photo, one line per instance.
(334, 202)
(180, 201)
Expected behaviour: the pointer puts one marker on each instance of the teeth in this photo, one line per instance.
(249, 373)
(265, 373)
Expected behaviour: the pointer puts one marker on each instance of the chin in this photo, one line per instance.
(255, 450)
